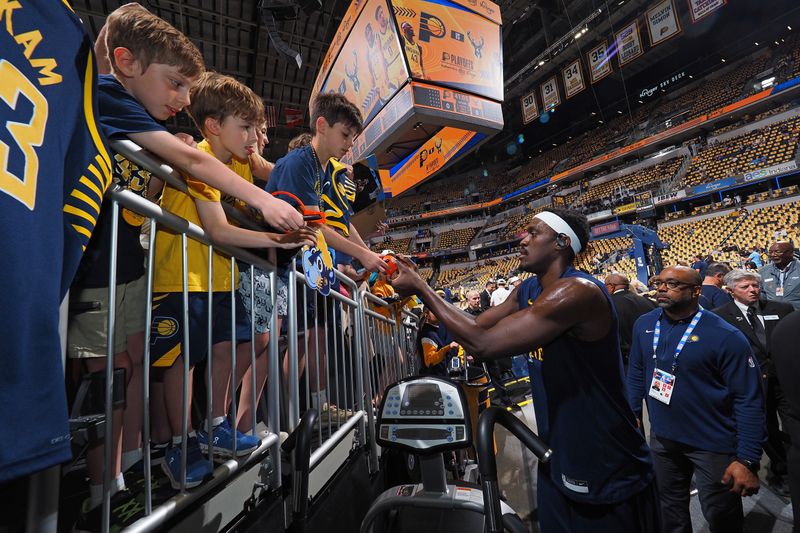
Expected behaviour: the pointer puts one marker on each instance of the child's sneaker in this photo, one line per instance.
(125, 509)
(197, 467)
(223, 441)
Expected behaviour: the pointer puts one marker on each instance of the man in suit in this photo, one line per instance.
(785, 339)
(486, 294)
(757, 320)
(630, 306)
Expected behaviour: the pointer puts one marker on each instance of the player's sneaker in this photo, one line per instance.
(223, 441)
(197, 467)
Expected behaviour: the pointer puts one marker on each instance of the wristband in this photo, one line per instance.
(751, 465)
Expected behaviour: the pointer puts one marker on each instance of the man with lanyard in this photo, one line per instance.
(782, 276)
(600, 477)
(702, 386)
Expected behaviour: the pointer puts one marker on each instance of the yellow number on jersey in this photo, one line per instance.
(28, 135)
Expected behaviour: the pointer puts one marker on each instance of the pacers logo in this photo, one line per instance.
(430, 26)
(163, 328)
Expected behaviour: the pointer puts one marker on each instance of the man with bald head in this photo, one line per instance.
(474, 303)
(703, 392)
(781, 277)
(630, 306)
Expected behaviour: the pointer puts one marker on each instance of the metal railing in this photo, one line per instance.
(338, 358)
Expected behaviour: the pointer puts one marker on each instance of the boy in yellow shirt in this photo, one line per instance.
(228, 114)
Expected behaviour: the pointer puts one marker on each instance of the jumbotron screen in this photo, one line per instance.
(369, 68)
(448, 44)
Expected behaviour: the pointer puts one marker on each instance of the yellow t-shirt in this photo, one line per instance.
(167, 262)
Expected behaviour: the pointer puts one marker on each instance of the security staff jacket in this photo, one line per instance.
(717, 403)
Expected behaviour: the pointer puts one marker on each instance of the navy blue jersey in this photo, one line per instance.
(330, 191)
(431, 334)
(599, 456)
(53, 173)
(120, 114)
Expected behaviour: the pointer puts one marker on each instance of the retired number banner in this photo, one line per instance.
(550, 96)
(628, 43)
(529, 110)
(599, 66)
(573, 79)
(662, 22)
(700, 9)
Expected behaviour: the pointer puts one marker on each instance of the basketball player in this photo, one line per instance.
(601, 475)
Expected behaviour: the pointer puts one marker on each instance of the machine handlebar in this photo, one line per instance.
(487, 463)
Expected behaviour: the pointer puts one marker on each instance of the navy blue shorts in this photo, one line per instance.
(558, 514)
(166, 333)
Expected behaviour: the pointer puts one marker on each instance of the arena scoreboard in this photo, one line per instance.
(427, 76)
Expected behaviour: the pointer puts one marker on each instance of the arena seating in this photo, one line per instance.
(760, 148)
(642, 180)
(702, 236)
(426, 273)
(399, 246)
(458, 238)
(517, 226)
(613, 256)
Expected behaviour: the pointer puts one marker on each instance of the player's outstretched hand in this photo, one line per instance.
(407, 280)
(306, 235)
(280, 214)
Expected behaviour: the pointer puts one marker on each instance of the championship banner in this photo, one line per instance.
(446, 43)
(550, 96)
(662, 22)
(700, 9)
(529, 110)
(573, 79)
(369, 69)
(628, 43)
(599, 66)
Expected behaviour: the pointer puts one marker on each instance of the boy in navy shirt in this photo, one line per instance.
(314, 174)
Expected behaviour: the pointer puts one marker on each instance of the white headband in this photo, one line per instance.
(560, 226)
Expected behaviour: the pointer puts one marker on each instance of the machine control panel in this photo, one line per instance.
(424, 414)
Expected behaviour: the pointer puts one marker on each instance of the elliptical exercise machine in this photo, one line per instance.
(428, 416)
